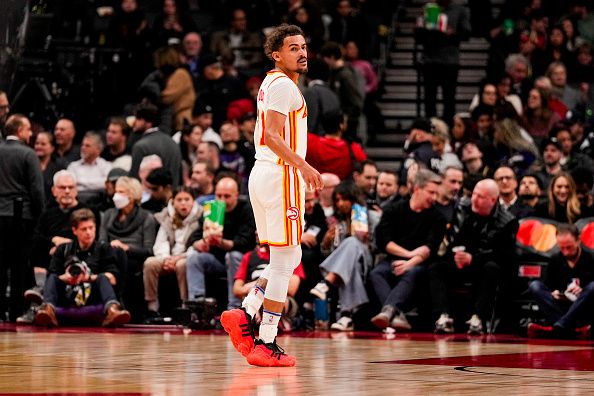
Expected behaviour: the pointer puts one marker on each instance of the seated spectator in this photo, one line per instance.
(202, 182)
(82, 273)
(512, 149)
(331, 153)
(158, 183)
(530, 190)
(462, 132)
(551, 159)
(314, 229)
(250, 269)
(386, 190)
(231, 157)
(572, 158)
(570, 96)
(365, 177)
(326, 201)
(554, 103)
(555, 52)
(202, 116)
(191, 136)
(132, 229)
(481, 247)
(566, 295)
(448, 191)
(247, 125)
(209, 153)
(147, 165)
(538, 119)
(177, 222)
(442, 156)
(91, 170)
(218, 253)
(117, 150)
(504, 93)
(472, 158)
(519, 69)
(409, 232)
(584, 182)
(64, 134)
(173, 22)
(483, 117)
(562, 203)
(240, 43)
(488, 96)
(50, 164)
(509, 200)
(112, 177)
(217, 88)
(192, 47)
(350, 258)
(418, 142)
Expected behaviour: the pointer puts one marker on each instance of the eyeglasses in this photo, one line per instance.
(4, 107)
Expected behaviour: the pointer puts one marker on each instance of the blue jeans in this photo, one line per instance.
(579, 312)
(54, 292)
(200, 264)
(393, 290)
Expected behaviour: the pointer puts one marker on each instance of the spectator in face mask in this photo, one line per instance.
(132, 229)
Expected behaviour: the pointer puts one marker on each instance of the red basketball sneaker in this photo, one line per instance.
(238, 324)
(269, 355)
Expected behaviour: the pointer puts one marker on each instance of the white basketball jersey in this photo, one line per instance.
(279, 93)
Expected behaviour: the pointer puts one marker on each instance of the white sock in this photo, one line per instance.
(253, 301)
(269, 326)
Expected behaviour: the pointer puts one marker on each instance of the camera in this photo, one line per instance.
(75, 267)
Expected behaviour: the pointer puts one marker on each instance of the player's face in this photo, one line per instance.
(293, 55)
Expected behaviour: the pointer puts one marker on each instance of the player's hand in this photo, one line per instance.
(312, 178)
(557, 295)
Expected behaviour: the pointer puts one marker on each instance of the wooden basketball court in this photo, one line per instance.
(141, 361)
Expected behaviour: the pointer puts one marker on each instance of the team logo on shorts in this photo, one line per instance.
(293, 213)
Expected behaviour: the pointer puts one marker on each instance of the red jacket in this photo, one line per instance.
(330, 155)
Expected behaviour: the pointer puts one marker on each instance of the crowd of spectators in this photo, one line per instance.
(446, 223)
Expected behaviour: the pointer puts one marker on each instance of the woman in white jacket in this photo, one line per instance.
(177, 222)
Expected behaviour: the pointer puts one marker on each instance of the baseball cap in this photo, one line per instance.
(115, 174)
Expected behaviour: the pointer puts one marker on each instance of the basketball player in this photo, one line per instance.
(277, 186)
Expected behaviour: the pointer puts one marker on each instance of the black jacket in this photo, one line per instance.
(20, 177)
(489, 238)
(100, 258)
(239, 226)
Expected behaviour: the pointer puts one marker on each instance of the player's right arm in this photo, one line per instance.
(275, 123)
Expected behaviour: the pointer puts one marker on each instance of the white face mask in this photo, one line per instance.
(120, 200)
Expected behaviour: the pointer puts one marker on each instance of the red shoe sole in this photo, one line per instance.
(231, 323)
(265, 360)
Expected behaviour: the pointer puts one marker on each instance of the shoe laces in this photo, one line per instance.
(276, 350)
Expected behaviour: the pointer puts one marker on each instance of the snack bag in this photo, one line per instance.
(214, 218)
(359, 221)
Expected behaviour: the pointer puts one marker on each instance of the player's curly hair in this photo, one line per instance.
(274, 40)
